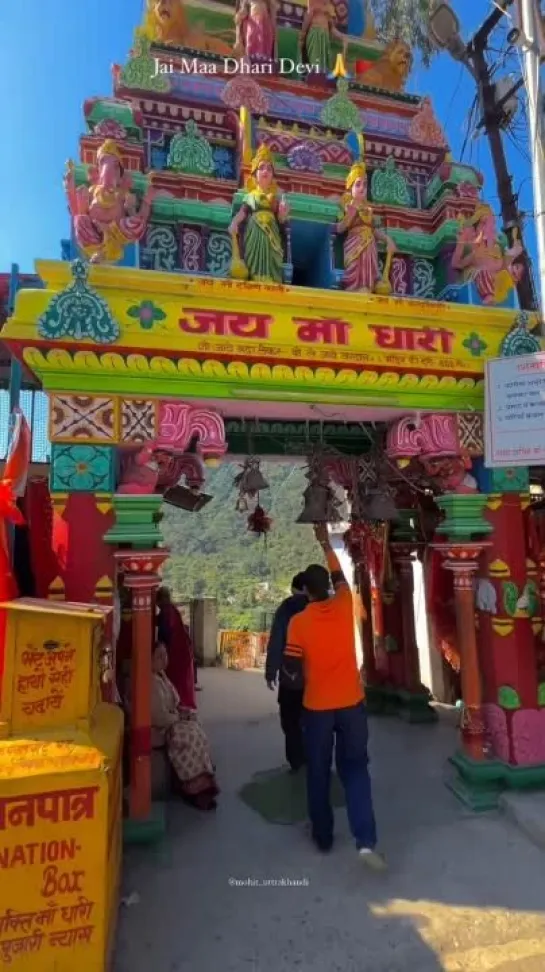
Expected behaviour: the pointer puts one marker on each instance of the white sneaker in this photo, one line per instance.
(372, 859)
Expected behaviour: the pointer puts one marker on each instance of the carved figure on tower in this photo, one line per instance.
(480, 257)
(391, 70)
(165, 22)
(361, 264)
(255, 29)
(317, 33)
(256, 230)
(105, 213)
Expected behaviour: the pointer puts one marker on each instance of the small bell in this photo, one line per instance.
(251, 480)
(379, 506)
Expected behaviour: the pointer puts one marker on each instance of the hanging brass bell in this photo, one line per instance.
(317, 502)
(379, 506)
(251, 480)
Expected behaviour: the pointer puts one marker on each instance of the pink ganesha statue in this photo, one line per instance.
(105, 212)
(481, 258)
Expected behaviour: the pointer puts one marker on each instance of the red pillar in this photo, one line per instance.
(463, 560)
(140, 575)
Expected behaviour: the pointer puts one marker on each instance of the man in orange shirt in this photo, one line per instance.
(321, 649)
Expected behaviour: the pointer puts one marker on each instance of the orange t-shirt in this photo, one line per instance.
(322, 636)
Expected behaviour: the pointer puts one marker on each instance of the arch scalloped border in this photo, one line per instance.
(111, 362)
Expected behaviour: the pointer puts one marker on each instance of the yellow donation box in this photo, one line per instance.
(60, 792)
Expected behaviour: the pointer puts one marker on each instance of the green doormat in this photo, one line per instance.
(280, 797)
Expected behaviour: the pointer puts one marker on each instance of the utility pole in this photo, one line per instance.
(531, 41)
(491, 122)
(445, 29)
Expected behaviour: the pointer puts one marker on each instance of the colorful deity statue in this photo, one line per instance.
(361, 264)
(256, 230)
(318, 31)
(481, 258)
(105, 212)
(255, 29)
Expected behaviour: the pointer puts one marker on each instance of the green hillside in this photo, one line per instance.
(214, 554)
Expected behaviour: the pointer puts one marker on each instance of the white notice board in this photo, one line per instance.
(515, 411)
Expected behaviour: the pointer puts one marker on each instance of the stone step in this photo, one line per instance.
(527, 811)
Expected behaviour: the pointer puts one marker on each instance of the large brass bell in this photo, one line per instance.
(379, 506)
(321, 505)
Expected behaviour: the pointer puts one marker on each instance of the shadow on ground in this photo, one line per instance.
(463, 893)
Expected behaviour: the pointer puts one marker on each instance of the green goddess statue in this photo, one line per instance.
(257, 229)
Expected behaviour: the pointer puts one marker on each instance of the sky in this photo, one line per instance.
(54, 55)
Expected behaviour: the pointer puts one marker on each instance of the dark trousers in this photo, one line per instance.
(346, 729)
(290, 702)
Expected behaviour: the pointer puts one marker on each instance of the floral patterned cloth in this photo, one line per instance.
(184, 737)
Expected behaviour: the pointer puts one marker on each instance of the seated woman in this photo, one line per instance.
(185, 740)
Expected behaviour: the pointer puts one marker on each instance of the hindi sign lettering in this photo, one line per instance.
(53, 860)
(515, 411)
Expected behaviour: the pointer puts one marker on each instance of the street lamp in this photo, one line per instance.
(445, 31)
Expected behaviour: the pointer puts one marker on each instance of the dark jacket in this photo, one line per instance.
(279, 632)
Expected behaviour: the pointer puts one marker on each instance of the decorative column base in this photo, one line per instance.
(475, 783)
(415, 706)
(379, 700)
(479, 784)
(136, 520)
(147, 831)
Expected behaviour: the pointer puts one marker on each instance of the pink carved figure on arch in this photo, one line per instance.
(451, 473)
(139, 472)
(434, 441)
(105, 214)
(481, 258)
(173, 467)
(180, 423)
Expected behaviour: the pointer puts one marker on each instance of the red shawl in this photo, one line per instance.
(181, 666)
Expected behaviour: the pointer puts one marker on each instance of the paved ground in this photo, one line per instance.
(463, 893)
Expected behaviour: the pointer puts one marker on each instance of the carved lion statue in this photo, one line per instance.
(166, 23)
(392, 68)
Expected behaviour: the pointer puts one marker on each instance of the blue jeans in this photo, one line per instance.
(347, 728)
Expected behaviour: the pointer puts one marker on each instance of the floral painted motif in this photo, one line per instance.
(528, 730)
(139, 71)
(519, 340)
(79, 312)
(110, 128)
(304, 157)
(191, 152)
(82, 469)
(340, 111)
(496, 731)
(244, 92)
(224, 162)
(389, 186)
(146, 313)
(475, 344)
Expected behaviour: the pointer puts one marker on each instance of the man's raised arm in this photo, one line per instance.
(337, 575)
